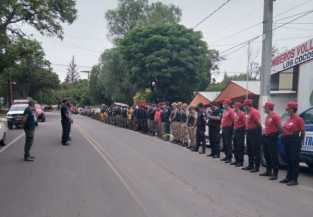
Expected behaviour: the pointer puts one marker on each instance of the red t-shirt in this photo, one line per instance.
(228, 118)
(239, 119)
(295, 124)
(272, 123)
(253, 119)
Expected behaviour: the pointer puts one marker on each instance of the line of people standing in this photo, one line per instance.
(233, 128)
(232, 125)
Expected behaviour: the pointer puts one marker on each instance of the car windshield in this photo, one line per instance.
(17, 108)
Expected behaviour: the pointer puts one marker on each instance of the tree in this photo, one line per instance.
(72, 75)
(109, 81)
(175, 57)
(31, 71)
(46, 16)
(77, 93)
(133, 13)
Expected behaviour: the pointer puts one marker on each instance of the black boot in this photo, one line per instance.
(267, 173)
(274, 175)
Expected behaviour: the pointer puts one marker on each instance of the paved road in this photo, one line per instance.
(112, 172)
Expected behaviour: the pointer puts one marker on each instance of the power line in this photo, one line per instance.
(66, 65)
(276, 28)
(259, 23)
(211, 14)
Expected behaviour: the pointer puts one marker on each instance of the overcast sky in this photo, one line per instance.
(87, 38)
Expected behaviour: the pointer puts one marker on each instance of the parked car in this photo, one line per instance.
(3, 131)
(20, 101)
(74, 110)
(40, 114)
(15, 115)
(306, 153)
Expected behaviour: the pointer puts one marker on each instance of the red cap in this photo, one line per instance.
(227, 102)
(248, 102)
(237, 105)
(269, 105)
(292, 105)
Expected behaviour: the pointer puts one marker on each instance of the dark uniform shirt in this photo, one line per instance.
(183, 117)
(30, 123)
(165, 116)
(64, 113)
(214, 122)
(201, 121)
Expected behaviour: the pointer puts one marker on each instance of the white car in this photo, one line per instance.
(15, 115)
(3, 131)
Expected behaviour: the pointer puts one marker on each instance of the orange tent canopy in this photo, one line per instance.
(233, 91)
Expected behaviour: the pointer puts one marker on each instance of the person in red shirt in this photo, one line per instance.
(293, 136)
(239, 135)
(254, 132)
(270, 140)
(227, 130)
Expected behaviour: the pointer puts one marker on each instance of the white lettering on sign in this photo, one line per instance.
(308, 142)
(293, 57)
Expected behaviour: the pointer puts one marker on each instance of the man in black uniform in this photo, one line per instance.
(29, 129)
(200, 134)
(66, 122)
(214, 124)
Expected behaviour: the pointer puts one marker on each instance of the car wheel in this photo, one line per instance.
(43, 119)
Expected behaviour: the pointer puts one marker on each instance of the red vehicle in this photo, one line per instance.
(40, 114)
(74, 110)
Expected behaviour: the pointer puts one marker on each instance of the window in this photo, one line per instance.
(286, 80)
(308, 116)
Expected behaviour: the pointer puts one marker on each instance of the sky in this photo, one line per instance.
(87, 37)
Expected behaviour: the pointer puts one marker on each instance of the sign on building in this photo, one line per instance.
(293, 57)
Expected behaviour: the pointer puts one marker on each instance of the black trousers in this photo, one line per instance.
(29, 139)
(200, 137)
(270, 150)
(254, 147)
(227, 134)
(239, 144)
(66, 130)
(292, 148)
(214, 138)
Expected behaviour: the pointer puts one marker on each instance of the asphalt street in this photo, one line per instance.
(113, 172)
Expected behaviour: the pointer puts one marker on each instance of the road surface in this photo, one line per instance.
(112, 172)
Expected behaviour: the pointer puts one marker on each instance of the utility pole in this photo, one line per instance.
(266, 65)
(248, 69)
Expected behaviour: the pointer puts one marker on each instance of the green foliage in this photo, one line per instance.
(145, 95)
(174, 56)
(109, 80)
(78, 93)
(30, 70)
(133, 13)
(46, 16)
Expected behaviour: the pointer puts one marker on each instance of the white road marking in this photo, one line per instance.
(109, 162)
(12, 142)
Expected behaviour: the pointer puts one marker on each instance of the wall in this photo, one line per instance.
(305, 87)
(281, 100)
